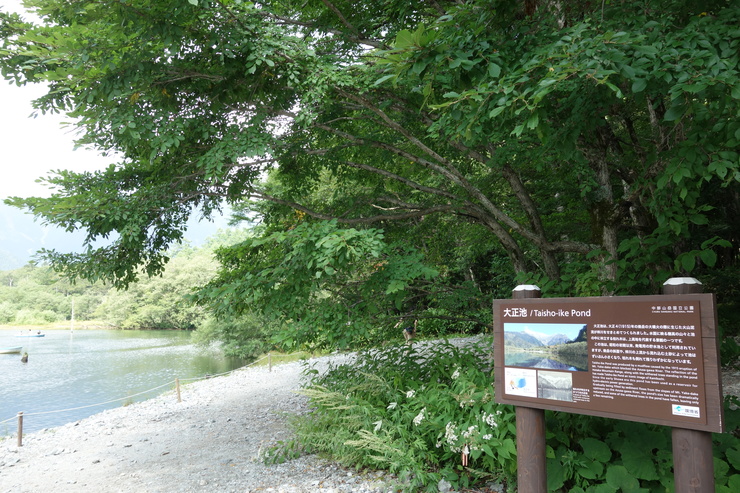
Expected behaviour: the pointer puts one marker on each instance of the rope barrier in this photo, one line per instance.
(98, 404)
(268, 357)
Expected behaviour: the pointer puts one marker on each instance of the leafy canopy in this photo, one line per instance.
(593, 145)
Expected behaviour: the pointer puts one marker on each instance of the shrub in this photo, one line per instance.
(417, 411)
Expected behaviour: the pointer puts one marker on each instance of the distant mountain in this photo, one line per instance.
(521, 340)
(554, 381)
(21, 236)
(558, 339)
(548, 339)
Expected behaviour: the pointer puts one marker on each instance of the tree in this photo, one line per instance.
(594, 143)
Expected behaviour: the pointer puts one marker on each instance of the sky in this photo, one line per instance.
(31, 148)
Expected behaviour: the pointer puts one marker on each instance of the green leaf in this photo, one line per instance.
(404, 39)
(555, 475)
(596, 449)
(617, 91)
(533, 121)
(736, 90)
(734, 482)
(675, 112)
(385, 78)
(638, 459)
(733, 456)
(639, 85)
(694, 88)
(619, 477)
(496, 111)
(592, 470)
(602, 488)
(688, 262)
(647, 49)
(494, 70)
(548, 82)
(193, 2)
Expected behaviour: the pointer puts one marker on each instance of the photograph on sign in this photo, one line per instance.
(554, 346)
(521, 382)
(640, 357)
(555, 385)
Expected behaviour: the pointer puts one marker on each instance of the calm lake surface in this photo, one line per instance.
(538, 360)
(68, 369)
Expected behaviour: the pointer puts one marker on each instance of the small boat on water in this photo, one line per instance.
(10, 350)
(31, 335)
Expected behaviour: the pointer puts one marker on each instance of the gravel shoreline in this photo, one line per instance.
(211, 441)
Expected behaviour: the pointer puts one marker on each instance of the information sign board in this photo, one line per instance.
(651, 359)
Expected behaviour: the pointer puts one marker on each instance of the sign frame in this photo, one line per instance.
(636, 316)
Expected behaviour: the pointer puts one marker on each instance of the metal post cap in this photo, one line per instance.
(526, 287)
(676, 281)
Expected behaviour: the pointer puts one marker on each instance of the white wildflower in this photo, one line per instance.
(392, 405)
(491, 419)
(410, 394)
(378, 424)
(456, 374)
(470, 431)
(419, 417)
(450, 433)
(466, 402)
(487, 437)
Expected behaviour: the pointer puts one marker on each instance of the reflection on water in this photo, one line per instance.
(538, 360)
(72, 369)
(556, 394)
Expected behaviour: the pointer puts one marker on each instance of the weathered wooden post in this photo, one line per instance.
(269, 362)
(530, 429)
(20, 429)
(177, 387)
(693, 466)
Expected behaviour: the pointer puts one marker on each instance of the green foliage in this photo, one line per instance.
(37, 295)
(595, 142)
(161, 302)
(414, 411)
(245, 337)
(331, 283)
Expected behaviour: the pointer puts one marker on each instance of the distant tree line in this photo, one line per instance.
(36, 295)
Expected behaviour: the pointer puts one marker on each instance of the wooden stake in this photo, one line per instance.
(177, 387)
(20, 429)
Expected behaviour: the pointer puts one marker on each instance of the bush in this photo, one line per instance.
(417, 411)
(414, 412)
(35, 317)
(241, 337)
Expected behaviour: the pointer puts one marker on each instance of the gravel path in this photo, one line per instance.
(211, 441)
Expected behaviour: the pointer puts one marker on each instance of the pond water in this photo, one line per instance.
(67, 370)
(535, 359)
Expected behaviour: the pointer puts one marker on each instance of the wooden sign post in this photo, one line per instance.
(693, 466)
(530, 430)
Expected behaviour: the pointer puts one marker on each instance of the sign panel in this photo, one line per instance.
(642, 358)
